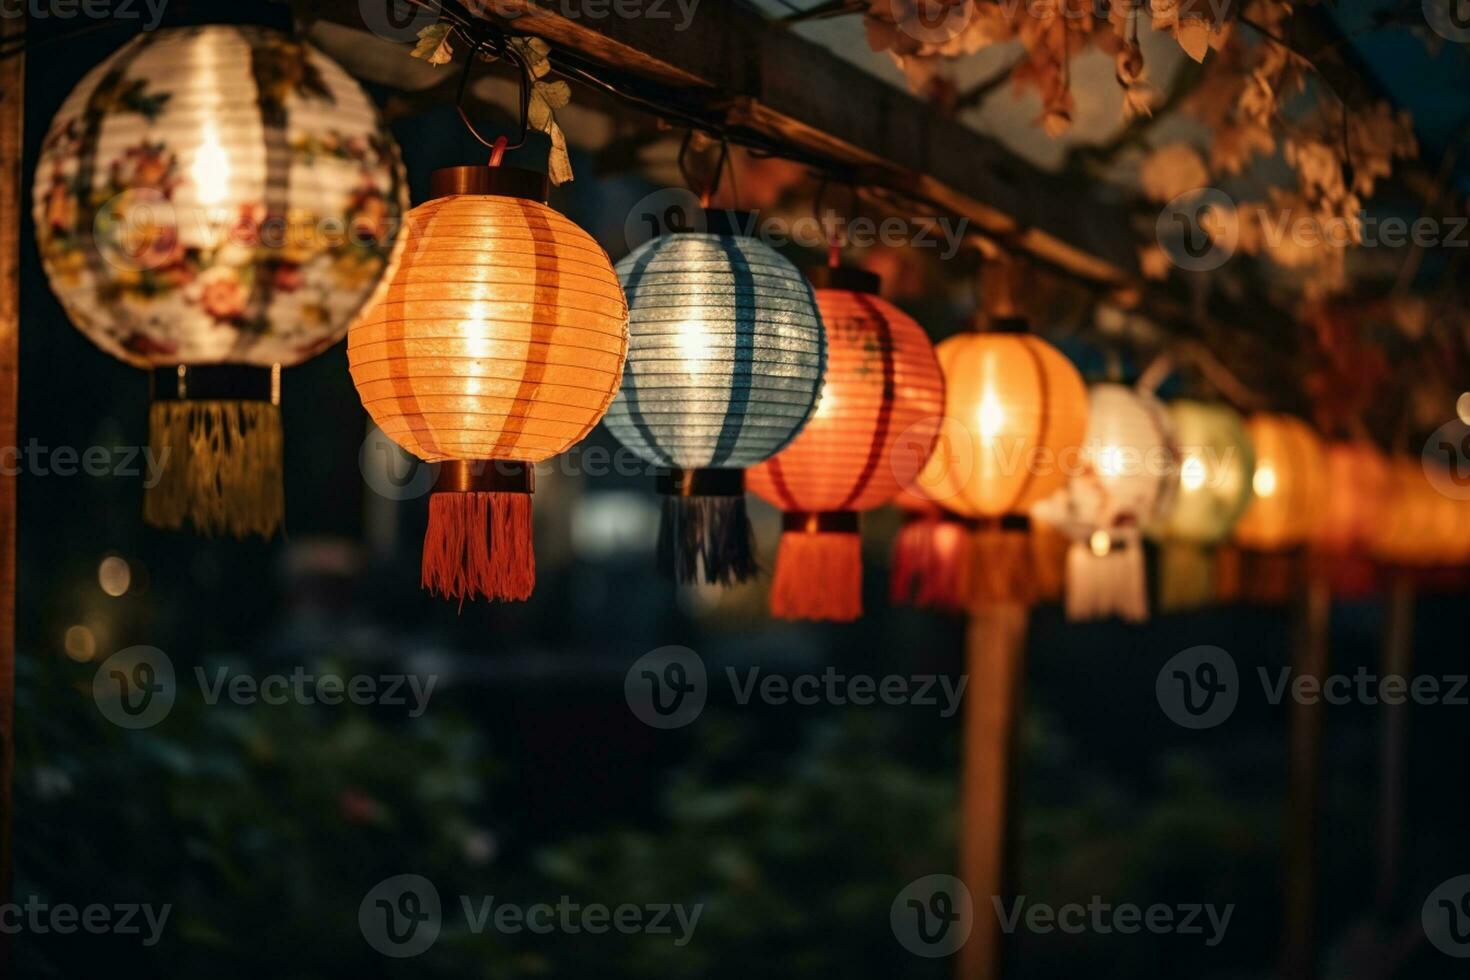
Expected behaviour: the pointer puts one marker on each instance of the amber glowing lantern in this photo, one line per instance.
(1418, 526)
(1290, 484)
(1357, 478)
(1015, 417)
(213, 204)
(874, 425)
(499, 343)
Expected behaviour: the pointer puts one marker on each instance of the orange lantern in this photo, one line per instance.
(1290, 483)
(882, 387)
(1357, 478)
(1015, 417)
(498, 343)
(1418, 526)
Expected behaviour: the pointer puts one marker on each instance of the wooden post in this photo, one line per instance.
(1304, 774)
(995, 650)
(1398, 658)
(12, 114)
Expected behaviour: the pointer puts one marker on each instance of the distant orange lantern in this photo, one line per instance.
(1419, 526)
(1290, 483)
(1021, 408)
(874, 424)
(1357, 479)
(498, 343)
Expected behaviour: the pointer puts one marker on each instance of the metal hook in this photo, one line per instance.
(501, 49)
(713, 186)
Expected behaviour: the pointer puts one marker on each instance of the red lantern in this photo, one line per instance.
(875, 423)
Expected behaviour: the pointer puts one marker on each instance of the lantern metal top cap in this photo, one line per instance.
(845, 277)
(490, 182)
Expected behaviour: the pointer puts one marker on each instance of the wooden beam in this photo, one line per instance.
(12, 115)
(732, 67)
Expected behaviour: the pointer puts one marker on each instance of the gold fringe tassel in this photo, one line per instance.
(221, 467)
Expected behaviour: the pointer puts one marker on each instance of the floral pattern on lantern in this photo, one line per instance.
(215, 203)
(875, 424)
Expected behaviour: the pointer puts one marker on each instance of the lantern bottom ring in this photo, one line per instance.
(704, 482)
(485, 476)
(820, 522)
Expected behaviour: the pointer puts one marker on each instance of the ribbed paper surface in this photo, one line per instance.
(876, 419)
(1290, 481)
(501, 336)
(217, 194)
(726, 352)
(1013, 404)
(1213, 484)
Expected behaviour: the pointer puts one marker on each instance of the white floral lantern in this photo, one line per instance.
(215, 203)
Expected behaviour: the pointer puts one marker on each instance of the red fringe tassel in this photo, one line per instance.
(930, 564)
(479, 546)
(819, 575)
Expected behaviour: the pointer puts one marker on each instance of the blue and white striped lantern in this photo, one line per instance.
(726, 357)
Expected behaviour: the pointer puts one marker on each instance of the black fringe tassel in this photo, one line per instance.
(712, 532)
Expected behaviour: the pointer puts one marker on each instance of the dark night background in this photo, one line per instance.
(528, 777)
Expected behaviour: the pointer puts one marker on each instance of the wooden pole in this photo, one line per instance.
(995, 646)
(1303, 787)
(12, 114)
(1398, 659)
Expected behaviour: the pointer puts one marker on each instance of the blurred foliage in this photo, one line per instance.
(265, 826)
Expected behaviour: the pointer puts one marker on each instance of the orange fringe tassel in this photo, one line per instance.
(930, 564)
(819, 575)
(479, 545)
(1002, 569)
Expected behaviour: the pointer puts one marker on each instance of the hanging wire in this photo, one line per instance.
(712, 186)
(501, 49)
(834, 245)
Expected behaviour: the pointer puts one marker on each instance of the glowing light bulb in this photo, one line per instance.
(1192, 473)
(1100, 543)
(1110, 461)
(991, 416)
(1264, 482)
(211, 170)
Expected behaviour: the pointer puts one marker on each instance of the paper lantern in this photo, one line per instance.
(1290, 484)
(498, 343)
(725, 362)
(1124, 483)
(1356, 480)
(874, 426)
(1015, 415)
(214, 203)
(1020, 409)
(1417, 526)
(1212, 489)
